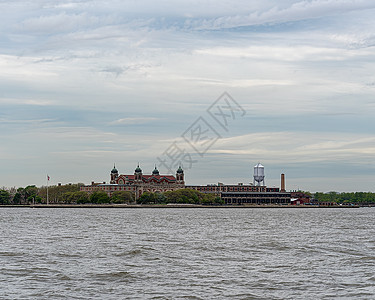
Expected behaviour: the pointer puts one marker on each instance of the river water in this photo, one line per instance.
(188, 253)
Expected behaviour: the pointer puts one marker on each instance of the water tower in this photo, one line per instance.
(259, 174)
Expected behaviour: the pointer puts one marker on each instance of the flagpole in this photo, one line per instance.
(47, 188)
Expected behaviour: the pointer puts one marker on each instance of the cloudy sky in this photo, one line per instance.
(86, 84)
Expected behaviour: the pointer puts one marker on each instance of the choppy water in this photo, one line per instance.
(187, 253)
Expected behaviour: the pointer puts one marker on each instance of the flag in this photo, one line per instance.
(47, 177)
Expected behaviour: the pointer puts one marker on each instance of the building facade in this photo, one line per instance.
(138, 183)
(299, 198)
(245, 194)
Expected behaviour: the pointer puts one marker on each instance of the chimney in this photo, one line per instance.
(282, 183)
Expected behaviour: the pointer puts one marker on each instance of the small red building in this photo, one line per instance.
(300, 198)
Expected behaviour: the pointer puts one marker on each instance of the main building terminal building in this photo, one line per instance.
(138, 183)
(240, 194)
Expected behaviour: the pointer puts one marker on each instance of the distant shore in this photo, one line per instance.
(171, 206)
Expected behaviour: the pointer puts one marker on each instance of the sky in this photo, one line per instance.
(216, 86)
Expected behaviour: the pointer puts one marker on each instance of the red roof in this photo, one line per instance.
(148, 178)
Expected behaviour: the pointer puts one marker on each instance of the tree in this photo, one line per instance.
(75, 197)
(99, 197)
(146, 198)
(4, 197)
(120, 197)
(21, 195)
(17, 199)
(30, 193)
(346, 198)
(212, 199)
(191, 196)
(160, 198)
(56, 192)
(80, 197)
(333, 196)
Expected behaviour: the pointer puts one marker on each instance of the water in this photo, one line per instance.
(306, 253)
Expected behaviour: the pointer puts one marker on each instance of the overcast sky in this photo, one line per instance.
(86, 84)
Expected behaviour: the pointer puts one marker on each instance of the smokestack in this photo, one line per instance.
(282, 183)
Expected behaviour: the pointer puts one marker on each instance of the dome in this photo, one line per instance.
(138, 169)
(114, 170)
(155, 171)
(180, 171)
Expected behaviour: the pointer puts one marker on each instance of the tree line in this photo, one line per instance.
(60, 194)
(182, 196)
(21, 195)
(32, 194)
(71, 194)
(343, 198)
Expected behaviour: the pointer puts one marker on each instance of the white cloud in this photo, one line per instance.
(297, 11)
(304, 147)
(28, 122)
(283, 53)
(69, 134)
(241, 82)
(133, 121)
(17, 101)
(58, 23)
(20, 68)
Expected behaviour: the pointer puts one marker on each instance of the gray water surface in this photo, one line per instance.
(187, 253)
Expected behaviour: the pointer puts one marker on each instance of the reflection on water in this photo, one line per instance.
(310, 253)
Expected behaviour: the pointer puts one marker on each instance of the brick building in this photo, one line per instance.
(138, 183)
(245, 194)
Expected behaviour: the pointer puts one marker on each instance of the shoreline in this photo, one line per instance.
(173, 206)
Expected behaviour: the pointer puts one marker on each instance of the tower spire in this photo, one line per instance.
(156, 171)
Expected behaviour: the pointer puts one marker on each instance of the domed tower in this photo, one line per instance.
(155, 172)
(138, 174)
(114, 174)
(180, 176)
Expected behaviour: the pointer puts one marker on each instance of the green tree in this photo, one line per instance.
(4, 197)
(79, 197)
(21, 197)
(146, 198)
(17, 199)
(56, 192)
(160, 198)
(191, 196)
(30, 193)
(99, 197)
(346, 198)
(65, 198)
(212, 199)
(121, 197)
(333, 196)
